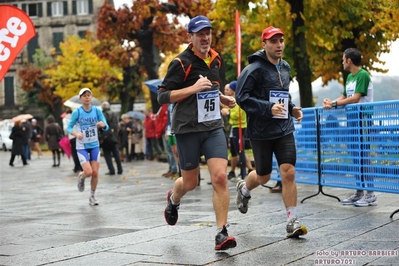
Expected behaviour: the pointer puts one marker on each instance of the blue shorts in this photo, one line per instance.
(190, 146)
(87, 155)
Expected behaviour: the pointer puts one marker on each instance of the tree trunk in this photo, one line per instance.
(301, 58)
(58, 110)
(348, 43)
(150, 56)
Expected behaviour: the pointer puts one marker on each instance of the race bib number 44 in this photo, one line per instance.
(280, 97)
(208, 106)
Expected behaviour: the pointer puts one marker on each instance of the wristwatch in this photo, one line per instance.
(334, 104)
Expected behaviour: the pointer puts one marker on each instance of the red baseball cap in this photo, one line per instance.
(270, 32)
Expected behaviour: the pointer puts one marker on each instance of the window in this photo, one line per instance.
(57, 38)
(33, 44)
(82, 7)
(9, 91)
(57, 9)
(33, 10)
(82, 34)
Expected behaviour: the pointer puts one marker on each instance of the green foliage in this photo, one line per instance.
(41, 60)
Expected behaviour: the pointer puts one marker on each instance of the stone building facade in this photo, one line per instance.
(53, 20)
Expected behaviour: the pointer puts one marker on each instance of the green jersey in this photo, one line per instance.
(359, 83)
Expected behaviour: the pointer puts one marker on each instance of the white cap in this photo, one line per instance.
(34, 120)
(83, 91)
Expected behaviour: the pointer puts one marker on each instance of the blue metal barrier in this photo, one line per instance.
(354, 147)
(360, 151)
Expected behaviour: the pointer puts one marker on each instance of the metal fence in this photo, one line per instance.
(354, 147)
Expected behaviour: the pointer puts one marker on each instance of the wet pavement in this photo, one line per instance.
(44, 220)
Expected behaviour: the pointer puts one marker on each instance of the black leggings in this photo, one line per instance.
(57, 151)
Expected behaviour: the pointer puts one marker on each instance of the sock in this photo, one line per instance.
(371, 193)
(92, 192)
(359, 192)
(291, 213)
(171, 199)
(220, 229)
(245, 191)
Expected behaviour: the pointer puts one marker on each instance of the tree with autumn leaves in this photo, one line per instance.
(77, 66)
(134, 37)
(316, 34)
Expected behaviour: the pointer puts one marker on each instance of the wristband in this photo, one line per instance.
(334, 104)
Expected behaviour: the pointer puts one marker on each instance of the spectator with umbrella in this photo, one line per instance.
(27, 135)
(17, 136)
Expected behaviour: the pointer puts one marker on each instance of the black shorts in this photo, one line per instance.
(212, 144)
(283, 148)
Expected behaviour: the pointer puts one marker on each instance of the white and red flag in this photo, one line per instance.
(16, 29)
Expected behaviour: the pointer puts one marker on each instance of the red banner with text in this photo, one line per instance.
(16, 29)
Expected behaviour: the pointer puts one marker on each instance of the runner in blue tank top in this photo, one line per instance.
(88, 119)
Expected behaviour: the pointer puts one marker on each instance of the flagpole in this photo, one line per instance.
(238, 57)
(241, 158)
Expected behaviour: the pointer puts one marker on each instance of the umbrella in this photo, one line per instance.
(66, 146)
(22, 117)
(136, 114)
(152, 84)
(74, 102)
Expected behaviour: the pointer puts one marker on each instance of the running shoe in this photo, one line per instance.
(231, 175)
(367, 200)
(223, 241)
(241, 200)
(93, 201)
(81, 182)
(294, 229)
(170, 213)
(352, 199)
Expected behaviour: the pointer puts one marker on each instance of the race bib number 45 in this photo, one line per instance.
(208, 106)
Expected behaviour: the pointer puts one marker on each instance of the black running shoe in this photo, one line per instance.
(223, 241)
(170, 213)
(231, 175)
